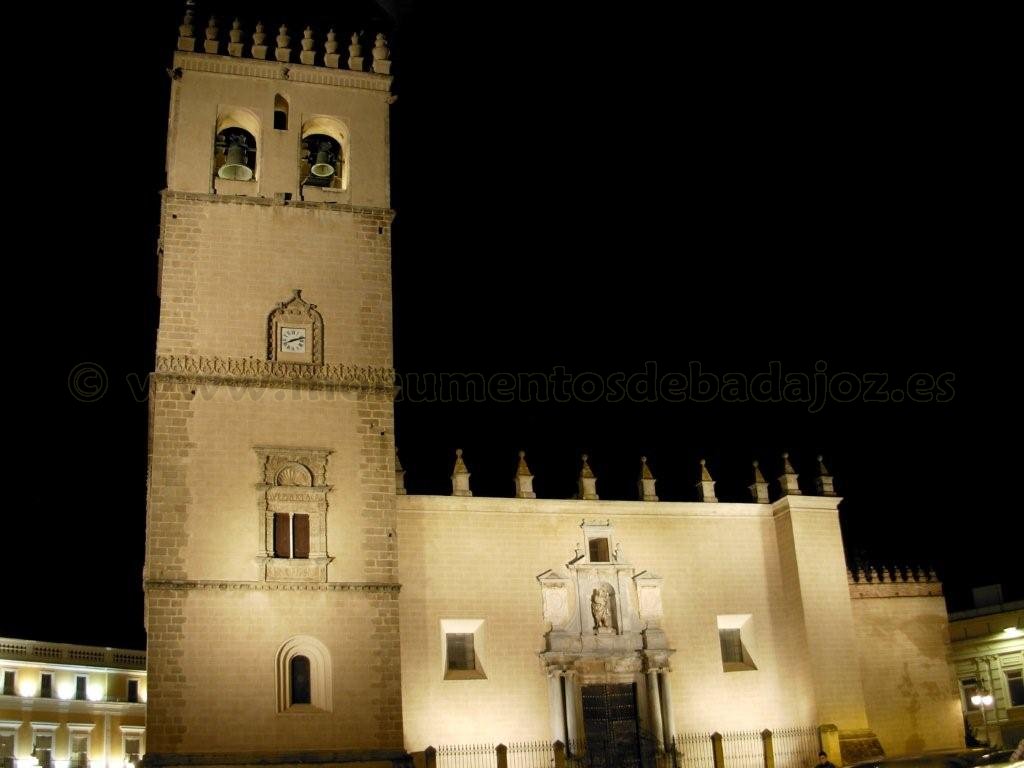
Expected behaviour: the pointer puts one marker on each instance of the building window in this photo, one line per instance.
(599, 551)
(7, 749)
(735, 637)
(79, 750)
(46, 686)
(969, 686)
(280, 113)
(132, 742)
(81, 684)
(78, 744)
(462, 647)
(732, 646)
(460, 653)
(300, 680)
(293, 502)
(132, 750)
(291, 535)
(42, 749)
(133, 691)
(9, 682)
(304, 676)
(1015, 685)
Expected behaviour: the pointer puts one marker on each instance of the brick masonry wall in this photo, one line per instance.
(212, 683)
(204, 520)
(226, 263)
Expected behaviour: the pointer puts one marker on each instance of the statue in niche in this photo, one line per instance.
(601, 607)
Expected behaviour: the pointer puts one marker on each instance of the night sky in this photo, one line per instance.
(590, 196)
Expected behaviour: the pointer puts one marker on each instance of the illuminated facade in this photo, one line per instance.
(988, 656)
(71, 706)
(276, 511)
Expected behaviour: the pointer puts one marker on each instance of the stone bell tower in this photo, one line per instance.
(271, 564)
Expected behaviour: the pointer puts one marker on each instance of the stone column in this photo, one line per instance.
(556, 706)
(668, 720)
(654, 707)
(572, 727)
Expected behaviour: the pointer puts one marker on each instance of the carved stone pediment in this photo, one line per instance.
(603, 618)
(281, 466)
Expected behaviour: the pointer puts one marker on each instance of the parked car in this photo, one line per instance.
(973, 758)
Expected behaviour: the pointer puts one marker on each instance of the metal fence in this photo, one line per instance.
(796, 747)
(743, 749)
(467, 756)
(694, 750)
(531, 754)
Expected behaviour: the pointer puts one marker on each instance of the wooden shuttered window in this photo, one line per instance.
(300, 543)
(282, 535)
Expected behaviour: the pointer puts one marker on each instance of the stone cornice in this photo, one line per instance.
(271, 758)
(276, 70)
(860, 591)
(575, 507)
(368, 210)
(259, 586)
(266, 373)
(46, 706)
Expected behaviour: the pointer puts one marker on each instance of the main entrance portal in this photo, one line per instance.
(610, 726)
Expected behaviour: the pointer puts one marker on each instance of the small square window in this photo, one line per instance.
(735, 635)
(461, 656)
(462, 646)
(732, 646)
(599, 551)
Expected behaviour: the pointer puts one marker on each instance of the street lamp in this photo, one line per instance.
(982, 698)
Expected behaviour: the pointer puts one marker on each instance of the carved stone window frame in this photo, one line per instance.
(596, 530)
(296, 313)
(293, 480)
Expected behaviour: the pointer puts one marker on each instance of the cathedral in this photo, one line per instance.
(301, 607)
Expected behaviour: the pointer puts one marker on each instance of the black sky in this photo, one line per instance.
(594, 191)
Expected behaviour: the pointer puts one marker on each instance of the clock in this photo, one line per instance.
(295, 333)
(293, 339)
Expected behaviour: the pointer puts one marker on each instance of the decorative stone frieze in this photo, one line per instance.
(269, 373)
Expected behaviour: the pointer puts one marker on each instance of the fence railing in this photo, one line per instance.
(784, 748)
(796, 747)
(743, 749)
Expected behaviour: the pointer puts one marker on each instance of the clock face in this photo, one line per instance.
(293, 339)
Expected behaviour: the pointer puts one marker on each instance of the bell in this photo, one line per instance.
(234, 167)
(323, 168)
